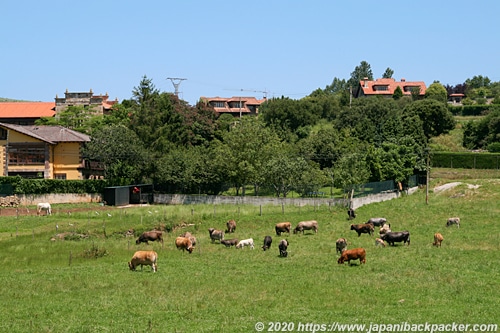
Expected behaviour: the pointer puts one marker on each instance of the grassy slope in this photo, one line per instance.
(228, 290)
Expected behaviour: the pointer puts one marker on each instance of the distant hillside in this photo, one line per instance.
(3, 99)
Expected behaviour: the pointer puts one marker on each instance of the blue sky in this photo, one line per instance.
(232, 48)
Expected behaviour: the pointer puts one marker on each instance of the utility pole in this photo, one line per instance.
(176, 82)
(427, 150)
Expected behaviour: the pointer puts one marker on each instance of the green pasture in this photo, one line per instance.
(84, 285)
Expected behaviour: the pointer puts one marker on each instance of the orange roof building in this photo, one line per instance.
(386, 87)
(25, 113)
(236, 106)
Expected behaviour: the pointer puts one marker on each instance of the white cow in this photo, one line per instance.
(453, 220)
(44, 206)
(246, 242)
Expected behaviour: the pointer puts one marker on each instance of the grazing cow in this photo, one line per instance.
(453, 220)
(351, 213)
(216, 234)
(184, 243)
(363, 228)
(379, 242)
(341, 245)
(306, 225)
(147, 258)
(229, 242)
(283, 246)
(438, 239)
(150, 236)
(384, 229)
(353, 254)
(283, 227)
(246, 242)
(377, 221)
(393, 237)
(45, 206)
(267, 243)
(187, 234)
(231, 226)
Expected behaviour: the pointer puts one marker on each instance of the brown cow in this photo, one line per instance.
(283, 227)
(148, 258)
(216, 234)
(306, 225)
(363, 228)
(229, 242)
(353, 254)
(150, 236)
(187, 234)
(184, 243)
(438, 239)
(231, 226)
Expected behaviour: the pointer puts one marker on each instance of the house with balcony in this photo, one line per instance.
(386, 87)
(236, 106)
(46, 152)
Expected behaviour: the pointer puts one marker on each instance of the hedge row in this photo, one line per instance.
(469, 110)
(465, 160)
(19, 185)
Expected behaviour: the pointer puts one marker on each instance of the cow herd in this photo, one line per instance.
(187, 242)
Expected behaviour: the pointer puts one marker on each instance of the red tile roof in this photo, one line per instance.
(27, 109)
(388, 86)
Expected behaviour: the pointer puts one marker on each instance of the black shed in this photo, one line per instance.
(130, 194)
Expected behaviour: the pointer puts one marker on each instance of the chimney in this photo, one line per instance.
(366, 82)
(403, 79)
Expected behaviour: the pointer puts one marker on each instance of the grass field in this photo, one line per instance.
(85, 285)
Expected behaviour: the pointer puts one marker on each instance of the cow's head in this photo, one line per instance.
(131, 266)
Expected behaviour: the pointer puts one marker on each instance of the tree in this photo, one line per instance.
(284, 169)
(363, 70)
(388, 73)
(398, 93)
(437, 92)
(244, 150)
(350, 170)
(435, 116)
(122, 153)
(75, 117)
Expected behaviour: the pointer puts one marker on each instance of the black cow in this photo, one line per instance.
(150, 236)
(396, 237)
(267, 243)
(351, 213)
(283, 247)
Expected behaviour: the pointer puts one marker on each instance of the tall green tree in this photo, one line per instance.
(398, 93)
(121, 152)
(363, 70)
(388, 73)
(244, 150)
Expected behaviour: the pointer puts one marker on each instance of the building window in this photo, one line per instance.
(59, 176)
(26, 155)
(380, 88)
(235, 105)
(218, 104)
(3, 134)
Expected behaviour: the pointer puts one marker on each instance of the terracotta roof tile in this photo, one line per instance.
(27, 109)
(388, 86)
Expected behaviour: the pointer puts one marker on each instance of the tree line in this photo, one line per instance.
(323, 139)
